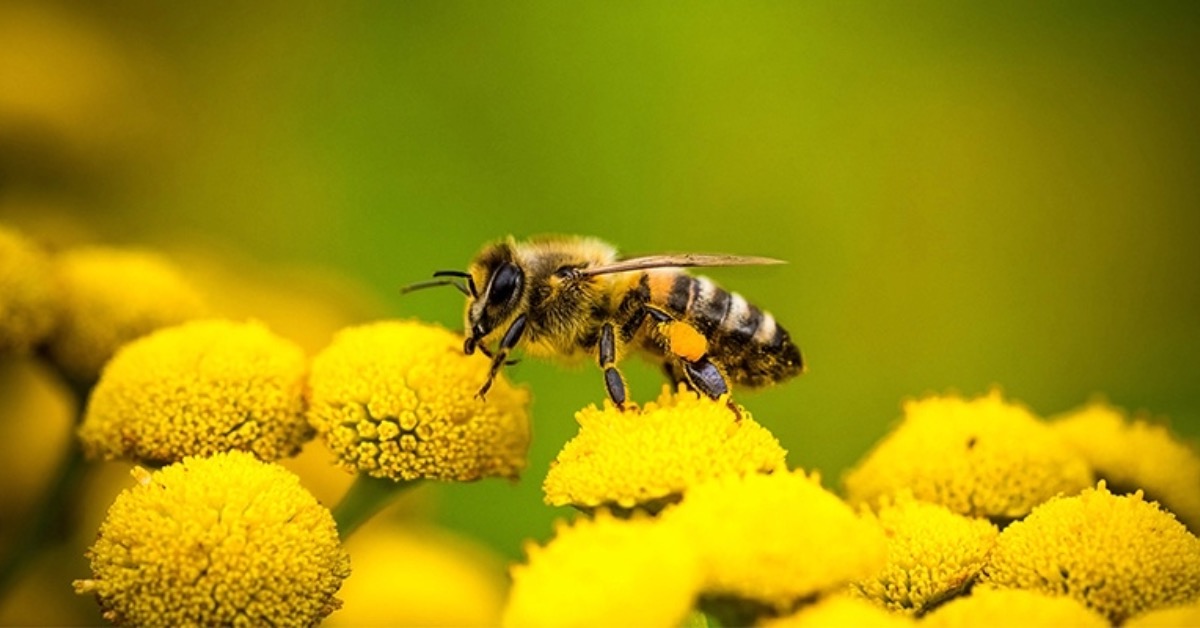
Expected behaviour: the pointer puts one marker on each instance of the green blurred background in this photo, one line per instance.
(968, 195)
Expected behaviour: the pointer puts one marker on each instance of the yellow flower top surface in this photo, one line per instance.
(197, 389)
(1186, 616)
(933, 554)
(841, 611)
(775, 539)
(988, 606)
(1136, 454)
(648, 457)
(605, 572)
(110, 297)
(983, 457)
(1120, 555)
(225, 540)
(29, 295)
(397, 399)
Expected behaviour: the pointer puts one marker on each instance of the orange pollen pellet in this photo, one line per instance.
(684, 341)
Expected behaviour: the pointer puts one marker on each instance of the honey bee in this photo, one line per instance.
(574, 297)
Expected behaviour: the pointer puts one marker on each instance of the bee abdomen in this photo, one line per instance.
(752, 347)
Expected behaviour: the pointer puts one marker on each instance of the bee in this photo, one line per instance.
(574, 297)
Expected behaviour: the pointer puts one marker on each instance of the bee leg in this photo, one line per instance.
(705, 377)
(607, 357)
(511, 337)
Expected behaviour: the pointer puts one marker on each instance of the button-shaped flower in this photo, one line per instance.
(648, 457)
(197, 389)
(988, 606)
(1119, 555)
(982, 457)
(841, 611)
(225, 540)
(110, 297)
(397, 399)
(29, 296)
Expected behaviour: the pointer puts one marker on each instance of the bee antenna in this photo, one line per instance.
(472, 292)
(421, 285)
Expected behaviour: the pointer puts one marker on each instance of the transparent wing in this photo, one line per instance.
(680, 260)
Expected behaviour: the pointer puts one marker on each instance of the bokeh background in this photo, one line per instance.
(969, 195)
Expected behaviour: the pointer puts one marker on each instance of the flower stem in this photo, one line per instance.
(364, 499)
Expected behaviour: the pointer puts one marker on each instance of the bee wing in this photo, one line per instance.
(677, 261)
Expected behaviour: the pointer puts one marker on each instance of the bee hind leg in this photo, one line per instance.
(705, 377)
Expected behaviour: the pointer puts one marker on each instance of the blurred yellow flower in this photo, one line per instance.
(841, 611)
(216, 541)
(776, 539)
(987, 606)
(1187, 616)
(1120, 555)
(397, 399)
(933, 554)
(419, 575)
(1136, 454)
(110, 297)
(983, 457)
(648, 457)
(605, 572)
(29, 295)
(196, 389)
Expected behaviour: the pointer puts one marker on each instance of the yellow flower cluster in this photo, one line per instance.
(1136, 454)
(224, 540)
(1119, 555)
(933, 554)
(989, 606)
(983, 457)
(648, 457)
(197, 389)
(29, 295)
(1186, 616)
(397, 400)
(841, 611)
(112, 296)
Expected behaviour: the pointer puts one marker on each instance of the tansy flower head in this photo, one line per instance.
(110, 297)
(841, 611)
(933, 554)
(1186, 616)
(29, 296)
(987, 606)
(776, 539)
(397, 399)
(1136, 454)
(982, 458)
(649, 457)
(605, 572)
(1120, 555)
(226, 540)
(196, 389)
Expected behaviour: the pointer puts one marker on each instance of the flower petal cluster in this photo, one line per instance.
(397, 399)
(1119, 555)
(110, 297)
(776, 539)
(933, 554)
(197, 389)
(841, 611)
(605, 572)
(648, 457)
(982, 457)
(988, 606)
(225, 540)
(29, 296)
(1186, 616)
(1136, 454)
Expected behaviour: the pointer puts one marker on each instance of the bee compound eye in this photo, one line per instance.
(505, 283)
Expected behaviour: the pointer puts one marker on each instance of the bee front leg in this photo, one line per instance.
(511, 337)
(607, 357)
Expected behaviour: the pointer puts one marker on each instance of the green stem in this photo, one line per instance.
(364, 499)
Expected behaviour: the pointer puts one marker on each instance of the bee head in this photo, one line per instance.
(503, 285)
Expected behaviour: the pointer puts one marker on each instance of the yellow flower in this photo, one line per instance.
(1120, 555)
(987, 606)
(605, 572)
(841, 611)
(29, 296)
(397, 399)
(982, 458)
(110, 297)
(776, 539)
(648, 457)
(1187, 616)
(216, 541)
(933, 554)
(197, 389)
(1137, 454)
